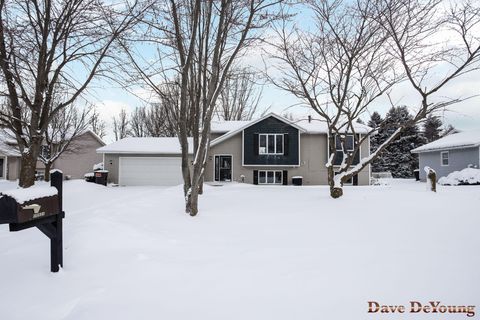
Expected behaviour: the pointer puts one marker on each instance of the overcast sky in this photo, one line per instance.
(110, 98)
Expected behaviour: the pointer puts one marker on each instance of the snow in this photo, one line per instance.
(297, 177)
(162, 145)
(465, 176)
(22, 195)
(316, 126)
(98, 166)
(55, 170)
(253, 252)
(226, 126)
(464, 139)
(8, 144)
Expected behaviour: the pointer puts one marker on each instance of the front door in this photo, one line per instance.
(223, 168)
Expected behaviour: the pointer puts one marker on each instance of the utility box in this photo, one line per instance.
(297, 180)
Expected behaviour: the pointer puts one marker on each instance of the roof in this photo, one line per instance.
(312, 126)
(160, 145)
(252, 122)
(319, 126)
(226, 126)
(461, 140)
(8, 144)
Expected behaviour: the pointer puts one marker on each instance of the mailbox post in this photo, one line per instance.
(50, 221)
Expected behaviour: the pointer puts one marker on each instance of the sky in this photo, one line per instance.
(111, 99)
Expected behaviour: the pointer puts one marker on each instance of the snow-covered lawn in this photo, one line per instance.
(253, 252)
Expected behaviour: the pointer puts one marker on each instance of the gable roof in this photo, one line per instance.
(251, 123)
(312, 126)
(461, 140)
(159, 145)
(226, 126)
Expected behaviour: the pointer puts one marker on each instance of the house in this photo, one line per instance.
(9, 157)
(73, 164)
(451, 153)
(269, 150)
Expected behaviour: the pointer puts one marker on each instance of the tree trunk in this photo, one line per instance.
(48, 167)
(28, 164)
(192, 201)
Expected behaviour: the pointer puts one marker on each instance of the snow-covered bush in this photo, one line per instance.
(463, 177)
(98, 166)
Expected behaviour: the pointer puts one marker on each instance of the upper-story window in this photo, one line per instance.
(45, 151)
(348, 143)
(444, 158)
(270, 143)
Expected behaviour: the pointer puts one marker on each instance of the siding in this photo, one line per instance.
(313, 157)
(458, 159)
(82, 159)
(270, 125)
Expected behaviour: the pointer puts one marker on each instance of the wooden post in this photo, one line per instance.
(56, 242)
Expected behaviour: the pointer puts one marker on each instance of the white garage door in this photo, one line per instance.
(152, 171)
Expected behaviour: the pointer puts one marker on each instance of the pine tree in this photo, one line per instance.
(432, 128)
(396, 158)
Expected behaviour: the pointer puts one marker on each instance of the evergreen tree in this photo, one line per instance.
(396, 158)
(432, 128)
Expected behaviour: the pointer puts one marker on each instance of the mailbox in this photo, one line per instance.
(13, 212)
(27, 208)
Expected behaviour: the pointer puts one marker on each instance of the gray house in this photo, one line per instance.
(451, 153)
(73, 163)
(270, 150)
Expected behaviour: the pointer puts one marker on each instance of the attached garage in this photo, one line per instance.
(144, 161)
(150, 171)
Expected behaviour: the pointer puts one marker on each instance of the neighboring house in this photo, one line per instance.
(9, 157)
(451, 153)
(269, 150)
(73, 163)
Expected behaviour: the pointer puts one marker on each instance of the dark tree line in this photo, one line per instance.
(397, 158)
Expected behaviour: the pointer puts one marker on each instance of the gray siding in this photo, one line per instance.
(458, 159)
(313, 157)
(82, 158)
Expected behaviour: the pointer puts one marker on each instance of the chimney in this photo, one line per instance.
(309, 118)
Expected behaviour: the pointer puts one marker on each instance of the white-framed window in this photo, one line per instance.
(444, 158)
(270, 177)
(348, 142)
(270, 143)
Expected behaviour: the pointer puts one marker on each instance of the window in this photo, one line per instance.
(348, 143)
(269, 177)
(270, 144)
(45, 151)
(444, 158)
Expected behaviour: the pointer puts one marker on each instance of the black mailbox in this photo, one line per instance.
(13, 212)
(45, 213)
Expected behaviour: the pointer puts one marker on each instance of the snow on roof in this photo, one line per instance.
(461, 140)
(226, 126)
(319, 126)
(304, 125)
(8, 144)
(160, 145)
(22, 195)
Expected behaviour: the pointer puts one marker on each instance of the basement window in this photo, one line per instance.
(269, 177)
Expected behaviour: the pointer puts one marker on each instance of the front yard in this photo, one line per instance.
(253, 252)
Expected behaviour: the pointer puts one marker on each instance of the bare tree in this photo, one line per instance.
(152, 120)
(61, 134)
(198, 42)
(97, 124)
(240, 96)
(359, 51)
(43, 47)
(121, 125)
